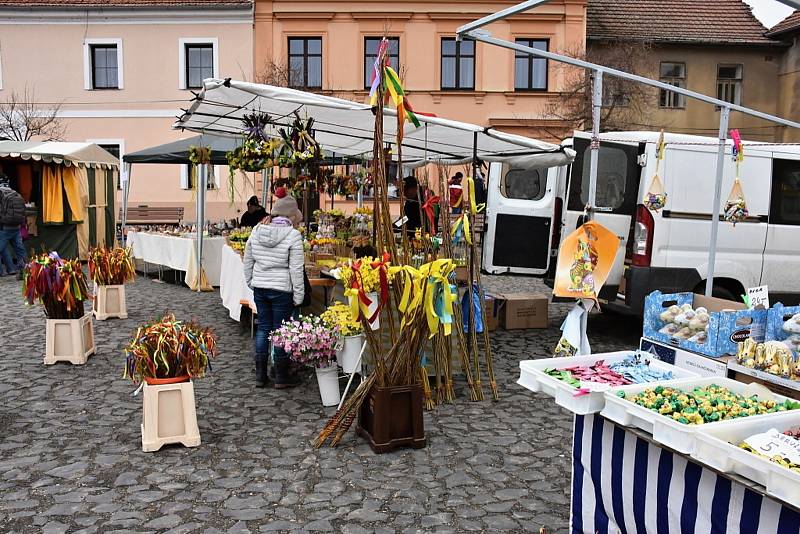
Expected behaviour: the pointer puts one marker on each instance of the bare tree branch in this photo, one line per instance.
(22, 118)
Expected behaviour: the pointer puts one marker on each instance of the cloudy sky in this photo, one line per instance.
(769, 12)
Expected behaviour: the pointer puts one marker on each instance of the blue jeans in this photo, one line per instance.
(273, 307)
(12, 239)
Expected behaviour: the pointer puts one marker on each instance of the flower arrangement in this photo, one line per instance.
(339, 318)
(111, 266)
(333, 213)
(364, 210)
(58, 284)
(298, 147)
(199, 155)
(367, 276)
(252, 155)
(324, 241)
(237, 239)
(169, 348)
(307, 340)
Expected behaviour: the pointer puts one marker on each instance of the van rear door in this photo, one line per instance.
(782, 254)
(618, 179)
(519, 217)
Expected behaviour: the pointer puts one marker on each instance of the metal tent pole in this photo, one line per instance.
(265, 185)
(712, 250)
(126, 189)
(202, 178)
(597, 104)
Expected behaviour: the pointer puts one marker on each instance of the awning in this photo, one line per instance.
(346, 127)
(81, 154)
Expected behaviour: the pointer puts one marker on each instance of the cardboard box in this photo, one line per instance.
(729, 322)
(492, 306)
(782, 326)
(523, 310)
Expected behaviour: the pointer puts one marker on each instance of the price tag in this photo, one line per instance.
(401, 221)
(772, 443)
(758, 297)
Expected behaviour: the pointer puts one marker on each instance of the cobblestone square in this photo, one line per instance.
(71, 459)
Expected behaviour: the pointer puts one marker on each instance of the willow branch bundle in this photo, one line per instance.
(487, 346)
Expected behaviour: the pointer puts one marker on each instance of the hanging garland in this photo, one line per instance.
(656, 197)
(298, 148)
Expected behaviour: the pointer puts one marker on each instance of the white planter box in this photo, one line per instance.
(717, 446)
(169, 416)
(69, 340)
(109, 301)
(664, 429)
(533, 377)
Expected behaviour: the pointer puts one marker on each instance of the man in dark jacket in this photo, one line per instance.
(255, 213)
(12, 216)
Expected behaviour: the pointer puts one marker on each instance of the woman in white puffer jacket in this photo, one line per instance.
(273, 269)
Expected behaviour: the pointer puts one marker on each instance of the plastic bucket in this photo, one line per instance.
(348, 355)
(328, 382)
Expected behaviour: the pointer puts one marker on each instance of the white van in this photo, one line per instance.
(667, 250)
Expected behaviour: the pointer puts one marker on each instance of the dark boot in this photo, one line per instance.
(283, 379)
(261, 370)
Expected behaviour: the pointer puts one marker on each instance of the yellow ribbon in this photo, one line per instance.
(462, 222)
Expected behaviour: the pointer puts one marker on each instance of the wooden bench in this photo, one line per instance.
(153, 215)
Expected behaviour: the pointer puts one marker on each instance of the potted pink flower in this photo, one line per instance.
(309, 341)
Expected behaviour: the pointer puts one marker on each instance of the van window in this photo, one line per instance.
(524, 184)
(785, 203)
(611, 170)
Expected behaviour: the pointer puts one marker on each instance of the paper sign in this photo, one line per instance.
(758, 297)
(401, 221)
(773, 443)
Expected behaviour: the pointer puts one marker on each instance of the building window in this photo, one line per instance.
(115, 147)
(371, 45)
(729, 83)
(199, 64)
(104, 67)
(305, 62)
(673, 74)
(102, 64)
(458, 64)
(114, 150)
(530, 72)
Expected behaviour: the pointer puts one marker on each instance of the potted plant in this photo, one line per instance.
(366, 285)
(339, 318)
(110, 268)
(309, 341)
(60, 286)
(164, 355)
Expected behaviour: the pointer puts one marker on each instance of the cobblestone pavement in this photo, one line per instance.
(71, 459)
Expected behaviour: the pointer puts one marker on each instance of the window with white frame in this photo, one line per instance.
(115, 147)
(673, 74)
(189, 176)
(198, 59)
(729, 83)
(102, 64)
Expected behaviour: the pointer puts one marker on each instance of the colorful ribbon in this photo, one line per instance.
(738, 146)
(429, 209)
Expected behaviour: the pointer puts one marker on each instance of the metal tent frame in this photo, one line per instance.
(474, 32)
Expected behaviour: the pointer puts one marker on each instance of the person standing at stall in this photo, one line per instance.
(12, 217)
(255, 213)
(273, 269)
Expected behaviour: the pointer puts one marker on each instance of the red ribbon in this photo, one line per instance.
(428, 209)
(383, 270)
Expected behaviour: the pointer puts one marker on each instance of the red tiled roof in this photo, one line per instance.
(675, 21)
(123, 3)
(790, 23)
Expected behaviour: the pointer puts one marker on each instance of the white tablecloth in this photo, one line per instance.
(232, 288)
(179, 253)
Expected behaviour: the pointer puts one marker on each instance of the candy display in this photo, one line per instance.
(792, 327)
(704, 404)
(685, 322)
(631, 370)
(782, 448)
(583, 265)
(655, 201)
(735, 210)
(773, 357)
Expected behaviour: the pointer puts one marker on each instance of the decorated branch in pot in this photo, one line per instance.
(307, 340)
(111, 266)
(58, 284)
(169, 349)
(339, 319)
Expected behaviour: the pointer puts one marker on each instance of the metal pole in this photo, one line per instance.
(265, 185)
(513, 10)
(126, 190)
(597, 105)
(202, 177)
(712, 251)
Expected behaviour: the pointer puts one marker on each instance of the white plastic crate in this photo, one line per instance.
(717, 446)
(665, 430)
(533, 377)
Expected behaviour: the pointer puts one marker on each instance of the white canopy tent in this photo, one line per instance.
(347, 127)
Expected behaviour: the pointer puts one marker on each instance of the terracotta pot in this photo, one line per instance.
(163, 381)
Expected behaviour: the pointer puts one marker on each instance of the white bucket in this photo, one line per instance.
(328, 381)
(375, 300)
(349, 353)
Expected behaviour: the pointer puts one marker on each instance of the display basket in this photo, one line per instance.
(665, 430)
(532, 376)
(717, 447)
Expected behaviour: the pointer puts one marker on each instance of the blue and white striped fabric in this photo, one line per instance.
(624, 484)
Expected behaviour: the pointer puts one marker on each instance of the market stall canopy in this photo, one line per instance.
(177, 152)
(347, 127)
(80, 154)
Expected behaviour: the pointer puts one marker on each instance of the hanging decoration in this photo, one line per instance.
(393, 89)
(736, 206)
(584, 261)
(257, 151)
(656, 197)
(298, 148)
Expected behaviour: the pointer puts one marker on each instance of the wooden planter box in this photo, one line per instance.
(69, 340)
(109, 301)
(169, 416)
(391, 418)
